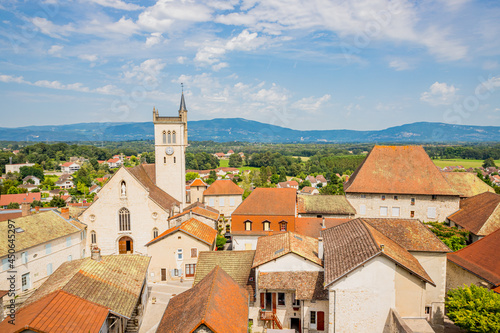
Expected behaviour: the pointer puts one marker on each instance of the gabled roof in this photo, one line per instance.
(411, 234)
(312, 226)
(113, 160)
(217, 302)
(143, 174)
(398, 170)
(202, 205)
(223, 187)
(479, 214)
(351, 244)
(6, 199)
(307, 285)
(481, 258)
(324, 204)
(272, 247)
(38, 229)
(198, 182)
(467, 184)
(58, 312)
(115, 282)
(308, 189)
(67, 164)
(268, 201)
(192, 227)
(198, 211)
(321, 178)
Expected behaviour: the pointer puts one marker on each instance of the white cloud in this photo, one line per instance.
(155, 38)
(440, 94)
(88, 57)
(311, 104)
(55, 50)
(50, 29)
(399, 65)
(117, 4)
(181, 60)
(219, 66)
(148, 72)
(109, 90)
(10, 78)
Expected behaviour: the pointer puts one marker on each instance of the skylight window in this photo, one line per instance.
(19, 230)
(279, 251)
(297, 237)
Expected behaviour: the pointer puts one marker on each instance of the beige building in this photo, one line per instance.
(174, 253)
(43, 242)
(196, 189)
(199, 211)
(16, 167)
(223, 195)
(401, 182)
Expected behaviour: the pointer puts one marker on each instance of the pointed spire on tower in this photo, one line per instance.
(183, 103)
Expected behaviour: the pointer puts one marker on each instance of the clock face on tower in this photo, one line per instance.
(169, 150)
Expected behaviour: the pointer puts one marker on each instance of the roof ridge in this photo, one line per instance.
(205, 310)
(365, 225)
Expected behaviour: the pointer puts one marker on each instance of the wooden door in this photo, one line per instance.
(321, 321)
(164, 274)
(125, 245)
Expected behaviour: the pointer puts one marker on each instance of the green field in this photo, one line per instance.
(54, 178)
(463, 162)
(303, 158)
(225, 163)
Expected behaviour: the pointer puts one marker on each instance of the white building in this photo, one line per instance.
(70, 167)
(16, 167)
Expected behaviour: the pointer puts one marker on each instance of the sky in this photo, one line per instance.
(301, 64)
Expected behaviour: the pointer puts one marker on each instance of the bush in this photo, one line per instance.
(453, 237)
(474, 308)
(220, 242)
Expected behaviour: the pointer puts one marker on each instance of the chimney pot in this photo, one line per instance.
(95, 253)
(323, 224)
(320, 248)
(25, 209)
(65, 213)
(382, 247)
(37, 209)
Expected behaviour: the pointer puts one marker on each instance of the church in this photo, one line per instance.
(134, 206)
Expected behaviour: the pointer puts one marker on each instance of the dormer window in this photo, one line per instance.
(248, 225)
(283, 225)
(266, 225)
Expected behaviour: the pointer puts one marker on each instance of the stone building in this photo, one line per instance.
(223, 195)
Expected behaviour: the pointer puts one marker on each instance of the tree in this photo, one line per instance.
(489, 162)
(474, 308)
(304, 184)
(275, 179)
(192, 176)
(57, 201)
(220, 242)
(12, 190)
(35, 170)
(13, 205)
(235, 161)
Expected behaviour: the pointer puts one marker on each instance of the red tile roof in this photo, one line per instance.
(306, 285)
(217, 302)
(199, 211)
(479, 214)
(481, 258)
(312, 226)
(192, 227)
(308, 189)
(6, 199)
(113, 160)
(198, 182)
(269, 201)
(67, 164)
(275, 246)
(399, 170)
(58, 312)
(224, 187)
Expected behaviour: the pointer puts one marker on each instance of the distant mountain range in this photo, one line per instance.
(238, 129)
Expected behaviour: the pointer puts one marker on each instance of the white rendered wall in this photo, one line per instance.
(290, 262)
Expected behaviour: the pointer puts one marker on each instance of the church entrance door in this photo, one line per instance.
(126, 245)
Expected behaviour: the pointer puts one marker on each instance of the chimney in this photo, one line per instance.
(323, 224)
(65, 213)
(10, 160)
(382, 247)
(95, 253)
(320, 248)
(25, 209)
(190, 214)
(37, 209)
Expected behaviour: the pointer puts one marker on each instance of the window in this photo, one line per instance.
(25, 281)
(194, 252)
(248, 225)
(434, 197)
(427, 310)
(211, 202)
(412, 213)
(82, 235)
(363, 196)
(24, 257)
(395, 197)
(431, 212)
(48, 248)
(93, 237)
(190, 269)
(165, 160)
(155, 232)
(176, 272)
(174, 137)
(124, 215)
(362, 209)
(68, 241)
(49, 269)
(179, 254)
(232, 202)
(281, 298)
(383, 211)
(221, 202)
(266, 225)
(283, 225)
(383, 197)
(175, 159)
(164, 137)
(412, 201)
(70, 257)
(395, 211)
(295, 302)
(169, 137)
(313, 319)
(5, 264)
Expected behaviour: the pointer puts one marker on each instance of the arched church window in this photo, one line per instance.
(123, 189)
(164, 137)
(169, 137)
(155, 233)
(93, 237)
(174, 137)
(124, 217)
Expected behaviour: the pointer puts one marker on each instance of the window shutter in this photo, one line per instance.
(262, 301)
(180, 271)
(321, 321)
(172, 272)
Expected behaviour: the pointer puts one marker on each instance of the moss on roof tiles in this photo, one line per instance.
(324, 204)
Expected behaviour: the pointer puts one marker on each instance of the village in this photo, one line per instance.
(155, 252)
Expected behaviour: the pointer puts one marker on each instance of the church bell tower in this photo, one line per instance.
(170, 152)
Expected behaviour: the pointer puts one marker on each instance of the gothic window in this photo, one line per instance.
(169, 137)
(123, 189)
(174, 137)
(164, 137)
(155, 232)
(124, 216)
(93, 237)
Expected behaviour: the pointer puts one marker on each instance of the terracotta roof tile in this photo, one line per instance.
(324, 204)
(411, 234)
(6, 199)
(312, 226)
(58, 312)
(115, 282)
(307, 285)
(351, 244)
(398, 170)
(481, 258)
(202, 205)
(275, 246)
(479, 214)
(269, 201)
(467, 184)
(217, 301)
(308, 189)
(198, 182)
(192, 227)
(224, 187)
(199, 211)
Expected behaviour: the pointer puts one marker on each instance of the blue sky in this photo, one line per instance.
(317, 64)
